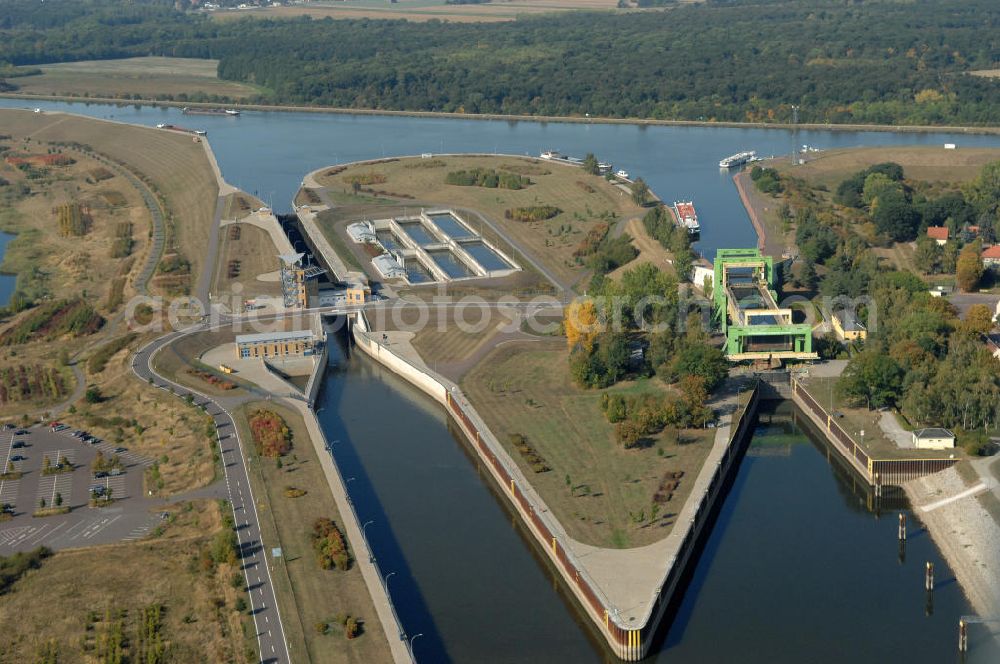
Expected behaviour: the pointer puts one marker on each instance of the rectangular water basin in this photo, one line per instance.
(451, 226)
(450, 263)
(418, 233)
(388, 240)
(486, 256)
(416, 273)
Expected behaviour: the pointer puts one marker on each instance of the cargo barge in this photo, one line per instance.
(231, 112)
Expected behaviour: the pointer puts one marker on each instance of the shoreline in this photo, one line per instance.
(543, 119)
(751, 212)
(965, 534)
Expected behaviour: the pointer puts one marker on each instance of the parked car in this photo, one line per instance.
(100, 474)
(119, 450)
(17, 457)
(115, 472)
(21, 432)
(18, 444)
(97, 489)
(8, 425)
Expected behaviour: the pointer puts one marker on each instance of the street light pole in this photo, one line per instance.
(364, 536)
(412, 639)
(385, 582)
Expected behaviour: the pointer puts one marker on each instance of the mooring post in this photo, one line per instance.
(963, 636)
(878, 486)
(929, 576)
(902, 527)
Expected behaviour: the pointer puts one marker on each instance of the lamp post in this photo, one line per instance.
(364, 536)
(412, 639)
(385, 583)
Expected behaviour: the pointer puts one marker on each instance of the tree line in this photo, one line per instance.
(723, 61)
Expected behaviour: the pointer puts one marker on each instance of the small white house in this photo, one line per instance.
(933, 439)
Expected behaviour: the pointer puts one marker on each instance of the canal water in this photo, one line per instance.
(8, 282)
(798, 569)
(803, 565)
(267, 153)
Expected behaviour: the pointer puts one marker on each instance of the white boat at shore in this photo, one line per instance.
(738, 159)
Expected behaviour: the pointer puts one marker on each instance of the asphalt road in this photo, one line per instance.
(263, 604)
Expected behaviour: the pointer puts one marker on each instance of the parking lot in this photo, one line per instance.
(29, 453)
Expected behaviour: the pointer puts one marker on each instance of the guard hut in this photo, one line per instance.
(847, 326)
(933, 439)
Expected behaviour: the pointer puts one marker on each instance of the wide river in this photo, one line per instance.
(797, 569)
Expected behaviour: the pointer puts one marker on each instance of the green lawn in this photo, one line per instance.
(518, 389)
(855, 420)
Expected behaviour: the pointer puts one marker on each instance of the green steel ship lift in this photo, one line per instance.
(745, 305)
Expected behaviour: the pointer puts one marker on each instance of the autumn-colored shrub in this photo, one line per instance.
(330, 545)
(271, 436)
(532, 213)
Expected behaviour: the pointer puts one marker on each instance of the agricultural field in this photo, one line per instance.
(601, 493)
(150, 77)
(422, 10)
(173, 165)
(297, 494)
(583, 201)
(166, 595)
(932, 164)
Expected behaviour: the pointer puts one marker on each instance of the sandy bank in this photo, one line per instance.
(966, 534)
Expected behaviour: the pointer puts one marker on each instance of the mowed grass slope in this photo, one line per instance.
(255, 253)
(582, 198)
(177, 166)
(451, 345)
(520, 390)
(150, 77)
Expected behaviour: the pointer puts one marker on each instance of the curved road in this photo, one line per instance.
(263, 604)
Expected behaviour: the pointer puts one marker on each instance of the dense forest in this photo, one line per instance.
(920, 356)
(867, 61)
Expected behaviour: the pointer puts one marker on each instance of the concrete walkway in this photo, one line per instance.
(895, 432)
(307, 215)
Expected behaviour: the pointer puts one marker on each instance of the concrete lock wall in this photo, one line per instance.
(628, 643)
